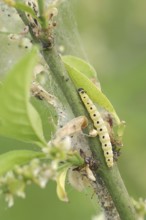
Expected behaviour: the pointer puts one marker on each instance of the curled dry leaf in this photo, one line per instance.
(78, 180)
(39, 92)
(72, 127)
(89, 173)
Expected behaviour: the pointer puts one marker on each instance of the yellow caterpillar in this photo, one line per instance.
(100, 126)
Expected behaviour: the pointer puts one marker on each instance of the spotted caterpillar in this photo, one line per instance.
(100, 126)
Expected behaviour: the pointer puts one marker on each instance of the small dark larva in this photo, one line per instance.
(100, 126)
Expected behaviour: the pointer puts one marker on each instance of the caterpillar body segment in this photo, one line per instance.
(100, 126)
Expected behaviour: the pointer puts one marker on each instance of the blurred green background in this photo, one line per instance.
(113, 35)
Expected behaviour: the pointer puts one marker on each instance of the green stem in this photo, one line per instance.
(110, 177)
(41, 7)
(119, 194)
(62, 79)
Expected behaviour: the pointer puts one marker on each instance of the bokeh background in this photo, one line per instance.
(112, 37)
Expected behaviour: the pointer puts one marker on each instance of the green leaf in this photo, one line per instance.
(81, 81)
(18, 118)
(17, 157)
(80, 65)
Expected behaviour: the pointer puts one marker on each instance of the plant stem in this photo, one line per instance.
(62, 79)
(110, 177)
(42, 14)
(119, 194)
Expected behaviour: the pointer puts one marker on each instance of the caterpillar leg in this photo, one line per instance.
(93, 133)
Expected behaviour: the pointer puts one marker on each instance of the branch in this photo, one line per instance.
(104, 176)
(111, 177)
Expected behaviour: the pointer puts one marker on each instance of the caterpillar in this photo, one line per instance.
(100, 126)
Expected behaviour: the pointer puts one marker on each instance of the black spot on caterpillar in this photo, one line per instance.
(100, 126)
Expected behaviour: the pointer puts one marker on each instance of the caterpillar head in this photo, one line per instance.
(81, 90)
